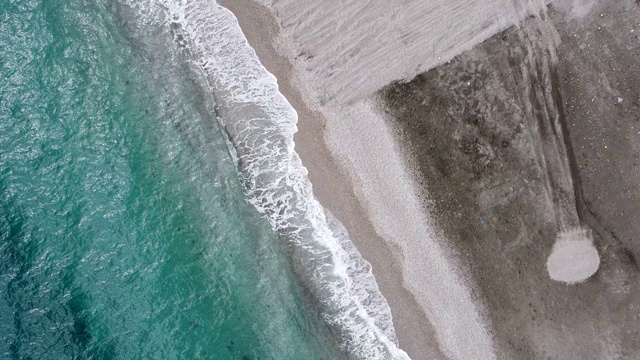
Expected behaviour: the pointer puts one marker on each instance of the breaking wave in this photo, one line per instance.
(260, 124)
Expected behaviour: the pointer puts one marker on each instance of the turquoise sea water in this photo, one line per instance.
(124, 229)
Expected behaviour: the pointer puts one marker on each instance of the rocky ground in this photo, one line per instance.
(532, 133)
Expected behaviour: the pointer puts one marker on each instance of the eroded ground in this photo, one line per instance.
(534, 132)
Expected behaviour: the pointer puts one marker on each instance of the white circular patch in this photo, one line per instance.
(573, 258)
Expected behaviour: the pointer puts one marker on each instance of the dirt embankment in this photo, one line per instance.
(521, 138)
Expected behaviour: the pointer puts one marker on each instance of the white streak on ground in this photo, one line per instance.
(574, 258)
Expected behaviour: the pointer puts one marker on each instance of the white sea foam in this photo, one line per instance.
(260, 123)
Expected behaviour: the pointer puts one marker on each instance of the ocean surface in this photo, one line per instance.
(147, 211)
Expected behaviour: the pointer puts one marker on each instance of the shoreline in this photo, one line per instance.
(444, 223)
(416, 315)
(331, 186)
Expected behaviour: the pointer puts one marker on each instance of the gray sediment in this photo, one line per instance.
(534, 132)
